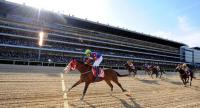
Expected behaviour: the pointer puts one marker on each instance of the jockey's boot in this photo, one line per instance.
(97, 73)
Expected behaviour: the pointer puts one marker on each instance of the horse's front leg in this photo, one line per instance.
(161, 74)
(75, 84)
(85, 89)
(184, 81)
(152, 75)
(157, 74)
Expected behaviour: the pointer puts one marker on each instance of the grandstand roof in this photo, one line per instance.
(7, 7)
(197, 48)
(118, 31)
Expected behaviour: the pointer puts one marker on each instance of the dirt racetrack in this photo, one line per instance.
(44, 90)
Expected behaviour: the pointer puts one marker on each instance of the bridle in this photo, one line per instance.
(75, 66)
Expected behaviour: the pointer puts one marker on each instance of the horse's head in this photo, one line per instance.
(71, 66)
(126, 65)
(180, 69)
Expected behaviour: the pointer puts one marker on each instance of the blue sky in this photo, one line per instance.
(171, 19)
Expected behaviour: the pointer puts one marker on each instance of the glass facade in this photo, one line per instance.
(190, 55)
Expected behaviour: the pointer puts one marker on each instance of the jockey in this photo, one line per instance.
(186, 68)
(130, 63)
(148, 66)
(96, 57)
(145, 65)
(158, 68)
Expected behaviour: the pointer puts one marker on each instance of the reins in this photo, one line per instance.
(85, 72)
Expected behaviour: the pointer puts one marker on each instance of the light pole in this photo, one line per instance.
(41, 37)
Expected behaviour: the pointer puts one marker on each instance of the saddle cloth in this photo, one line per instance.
(101, 73)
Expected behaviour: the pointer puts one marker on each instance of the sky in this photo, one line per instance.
(176, 20)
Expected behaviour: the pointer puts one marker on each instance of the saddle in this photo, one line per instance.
(101, 73)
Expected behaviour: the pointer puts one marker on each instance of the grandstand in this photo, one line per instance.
(68, 36)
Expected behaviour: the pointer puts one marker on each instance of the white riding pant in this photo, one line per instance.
(98, 61)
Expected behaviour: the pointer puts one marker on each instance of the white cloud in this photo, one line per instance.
(184, 33)
(183, 24)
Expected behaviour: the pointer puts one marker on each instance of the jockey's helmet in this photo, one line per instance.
(130, 61)
(184, 64)
(87, 52)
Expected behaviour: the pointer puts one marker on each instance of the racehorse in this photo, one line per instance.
(147, 70)
(184, 75)
(88, 77)
(130, 69)
(154, 70)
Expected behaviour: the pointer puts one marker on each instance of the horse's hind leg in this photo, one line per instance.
(75, 84)
(135, 72)
(152, 75)
(116, 82)
(110, 84)
(156, 75)
(191, 80)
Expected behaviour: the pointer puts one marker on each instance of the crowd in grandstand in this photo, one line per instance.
(58, 46)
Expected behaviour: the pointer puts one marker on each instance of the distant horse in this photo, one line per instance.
(88, 77)
(130, 69)
(147, 70)
(184, 75)
(154, 70)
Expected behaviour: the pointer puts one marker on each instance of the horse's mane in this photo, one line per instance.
(81, 62)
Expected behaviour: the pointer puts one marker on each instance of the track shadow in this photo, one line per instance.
(173, 82)
(128, 105)
(176, 83)
(149, 81)
(91, 106)
(81, 102)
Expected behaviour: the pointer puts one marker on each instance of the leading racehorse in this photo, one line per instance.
(184, 75)
(88, 77)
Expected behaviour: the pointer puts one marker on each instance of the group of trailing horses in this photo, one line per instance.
(87, 76)
(148, 69)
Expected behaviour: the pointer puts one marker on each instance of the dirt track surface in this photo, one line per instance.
(44, 90)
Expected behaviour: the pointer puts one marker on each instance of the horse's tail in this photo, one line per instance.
(117, 73)
(121, 75)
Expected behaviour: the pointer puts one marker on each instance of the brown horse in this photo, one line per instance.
(88, 77)
(147, 70)
(154, 70)
(184, 75)
(130, 69)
